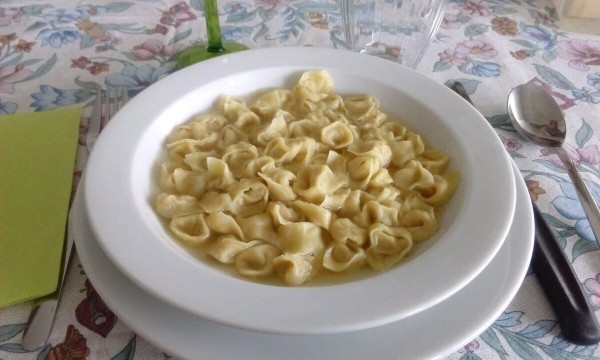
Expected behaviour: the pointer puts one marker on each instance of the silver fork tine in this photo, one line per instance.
(112, 102)
(95, 124)
(115, 99)
(106, 105)
(124, 97)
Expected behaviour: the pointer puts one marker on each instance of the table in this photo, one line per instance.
(52, 54)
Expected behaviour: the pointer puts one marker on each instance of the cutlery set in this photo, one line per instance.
(557, 278)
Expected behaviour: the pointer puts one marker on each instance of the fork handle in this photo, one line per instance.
(41, 317)
(39, 324)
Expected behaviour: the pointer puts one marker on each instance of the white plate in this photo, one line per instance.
(120, 185)
(426, 335)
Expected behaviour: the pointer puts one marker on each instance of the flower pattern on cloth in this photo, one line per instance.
(73, 347)
(94, 314)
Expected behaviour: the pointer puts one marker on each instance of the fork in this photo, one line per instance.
(106, 105)
(42, 315)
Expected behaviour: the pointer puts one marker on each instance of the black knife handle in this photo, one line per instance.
(557, 278)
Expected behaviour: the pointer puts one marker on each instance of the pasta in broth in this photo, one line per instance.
(302, 182)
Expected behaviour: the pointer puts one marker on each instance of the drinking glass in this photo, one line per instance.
(215, 46)
(398, 30)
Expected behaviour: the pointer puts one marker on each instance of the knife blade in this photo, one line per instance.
(557, 278)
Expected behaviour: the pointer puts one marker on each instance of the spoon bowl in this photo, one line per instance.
(536, 116)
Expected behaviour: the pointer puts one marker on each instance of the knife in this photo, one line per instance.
(557, 278)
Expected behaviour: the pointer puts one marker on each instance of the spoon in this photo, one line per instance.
(536, 116)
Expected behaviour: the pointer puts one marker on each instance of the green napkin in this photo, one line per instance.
(37, 158)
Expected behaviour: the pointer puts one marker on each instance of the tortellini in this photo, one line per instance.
(301, 183)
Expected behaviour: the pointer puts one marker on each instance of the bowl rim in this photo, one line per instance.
(192, 286)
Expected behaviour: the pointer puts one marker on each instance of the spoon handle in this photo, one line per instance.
(587, 201)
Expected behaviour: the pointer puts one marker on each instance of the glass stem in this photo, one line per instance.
(213, 27)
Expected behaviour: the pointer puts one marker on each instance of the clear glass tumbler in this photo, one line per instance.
(398, 30)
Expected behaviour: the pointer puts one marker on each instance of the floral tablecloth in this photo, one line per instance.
(55, 53)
